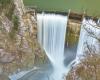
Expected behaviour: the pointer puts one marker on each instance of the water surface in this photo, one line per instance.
(91, 7)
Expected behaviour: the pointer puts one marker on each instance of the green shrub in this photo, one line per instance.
(4, 3)
(15, 28)
(7, 7)
(9, 12)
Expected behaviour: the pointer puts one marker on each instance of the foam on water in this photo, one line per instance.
(89, 30)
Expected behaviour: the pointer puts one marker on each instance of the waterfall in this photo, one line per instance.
(89, 30)
(51, 36)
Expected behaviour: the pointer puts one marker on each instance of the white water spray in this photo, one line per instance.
(88, 28)
(51, 35)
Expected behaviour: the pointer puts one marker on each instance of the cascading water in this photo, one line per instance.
(89, 30)
(51, 35)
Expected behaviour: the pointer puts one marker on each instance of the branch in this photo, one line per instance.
(91, 34)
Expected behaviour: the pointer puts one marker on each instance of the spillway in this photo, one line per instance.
(51, 36)
(89, 36)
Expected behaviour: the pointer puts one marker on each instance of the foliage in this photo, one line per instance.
(7, 7)
(15, 28)
(9, 12)
(4, 3)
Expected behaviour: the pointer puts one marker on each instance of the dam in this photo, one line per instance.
(67, 38)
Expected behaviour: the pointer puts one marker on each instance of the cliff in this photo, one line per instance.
(19, 48)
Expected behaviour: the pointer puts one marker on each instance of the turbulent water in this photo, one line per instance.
(52, 30)
(88, 36)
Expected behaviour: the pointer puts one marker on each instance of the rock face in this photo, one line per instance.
(3, 77)
(19, 48)
(88, 69)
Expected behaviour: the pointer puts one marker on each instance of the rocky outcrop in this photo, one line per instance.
(19, 48)
(88, 69)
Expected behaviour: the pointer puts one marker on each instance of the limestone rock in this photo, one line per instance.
(22, 51)
(6, 57)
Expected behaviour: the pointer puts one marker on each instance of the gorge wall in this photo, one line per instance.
(19, 48)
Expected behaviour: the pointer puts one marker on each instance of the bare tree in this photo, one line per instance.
(89, 68)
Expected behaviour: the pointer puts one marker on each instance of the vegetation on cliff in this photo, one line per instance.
(19, 48)
(15, 28)
(7, 7)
